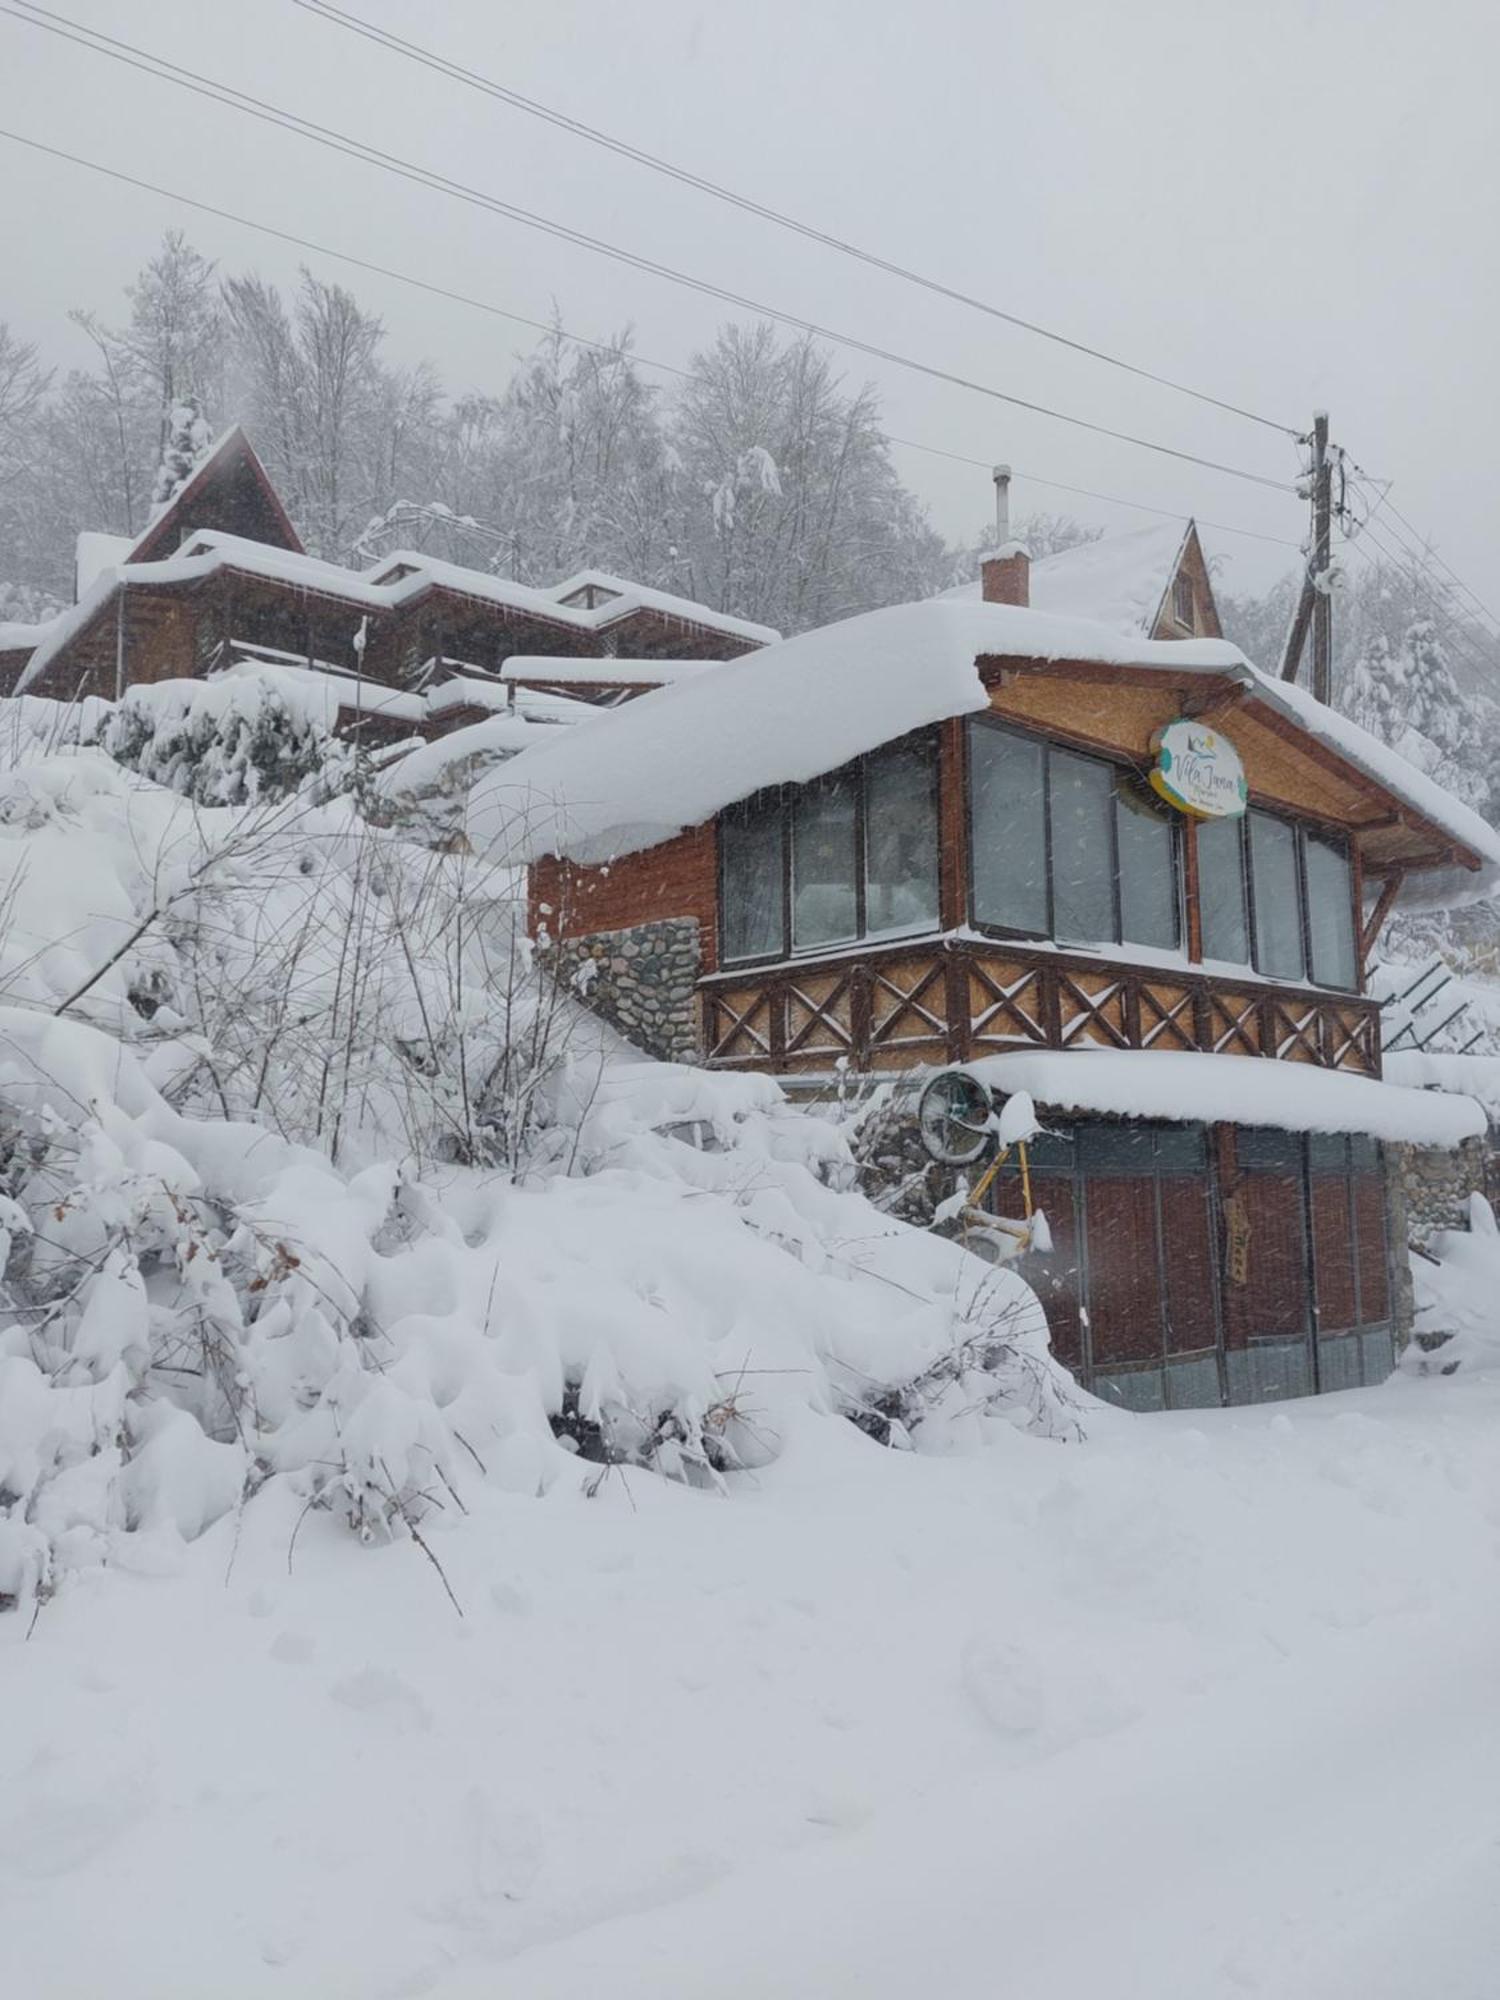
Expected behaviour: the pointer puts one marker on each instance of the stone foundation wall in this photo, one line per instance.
(643, 981)
(1436, 1185)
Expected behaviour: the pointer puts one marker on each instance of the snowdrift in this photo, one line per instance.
(317, 1180)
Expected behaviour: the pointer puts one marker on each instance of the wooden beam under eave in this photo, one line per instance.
(1200, 704)
(1385, 902)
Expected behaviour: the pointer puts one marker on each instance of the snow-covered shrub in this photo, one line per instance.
(1458, 1299)
(310, 1175)
(232, 741)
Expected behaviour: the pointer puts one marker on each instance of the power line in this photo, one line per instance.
(552, 326)
(443, 66)
(174, 73)
(1442, 562)
(1420, 554)
(1456, 635)
(1090, 493)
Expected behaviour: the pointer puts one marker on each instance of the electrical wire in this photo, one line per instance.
(1419, 557)
(174, 73)
(502, 93)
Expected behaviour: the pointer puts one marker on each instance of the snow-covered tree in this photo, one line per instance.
(790, 509)
(188, 438)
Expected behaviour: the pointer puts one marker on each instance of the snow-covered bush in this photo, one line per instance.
(1458, 1298)
(309, 1174)
(232, 741)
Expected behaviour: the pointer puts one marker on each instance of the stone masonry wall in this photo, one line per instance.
(643, 981)
(1437, 1184)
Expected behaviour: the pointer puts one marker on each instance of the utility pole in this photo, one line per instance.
(1315, 605)
(1322, 678)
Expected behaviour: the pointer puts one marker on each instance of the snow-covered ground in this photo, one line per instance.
(1196, 1708)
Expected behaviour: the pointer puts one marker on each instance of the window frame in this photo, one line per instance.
(782, 798)
(1303, 831)
(1119, 767)
(1183, 586)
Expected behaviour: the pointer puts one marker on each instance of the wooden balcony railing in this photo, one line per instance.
(952, 999)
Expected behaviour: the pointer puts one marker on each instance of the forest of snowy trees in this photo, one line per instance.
(759, 482)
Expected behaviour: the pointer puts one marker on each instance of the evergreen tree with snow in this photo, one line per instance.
(188, 439)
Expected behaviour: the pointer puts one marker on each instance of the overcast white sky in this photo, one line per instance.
(1286, 203)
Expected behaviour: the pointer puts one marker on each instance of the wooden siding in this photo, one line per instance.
(677, 879)
(950, 1000)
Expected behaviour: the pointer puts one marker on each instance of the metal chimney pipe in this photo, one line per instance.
(1001, 476)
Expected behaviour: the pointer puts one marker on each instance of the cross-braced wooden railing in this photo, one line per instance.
(952, 999)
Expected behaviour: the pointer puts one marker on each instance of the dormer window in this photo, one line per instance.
(1184, 602)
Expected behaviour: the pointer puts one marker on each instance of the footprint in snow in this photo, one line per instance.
(386, 1699)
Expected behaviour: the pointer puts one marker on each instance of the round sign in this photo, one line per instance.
(1199, 771)
(955, 1118)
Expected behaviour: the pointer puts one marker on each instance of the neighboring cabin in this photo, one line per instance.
(219, 579)
(937, 835)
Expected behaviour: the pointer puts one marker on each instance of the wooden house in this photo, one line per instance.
(1134, 877)
(220, 576)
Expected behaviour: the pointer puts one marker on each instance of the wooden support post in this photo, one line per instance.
(1384, 904)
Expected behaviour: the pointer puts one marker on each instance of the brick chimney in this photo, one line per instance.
(1005, 573)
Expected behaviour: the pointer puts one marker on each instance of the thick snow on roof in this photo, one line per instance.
(494, 740)
(384, 586)
(629, 597)
(93, 553)
(15, 638)
(1466, 1076)
(1118, 581)
(591, 668)
(1428, 888)
(675, 757)
(1234, 1090)
(626, 599)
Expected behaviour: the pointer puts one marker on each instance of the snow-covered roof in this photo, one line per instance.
(229, 444)
(500, 698)
(384, 586)
(675, 757)
(611, 670)
(1118, 581)
(1234, 1090)
(412, 568)
(93, 553)
(1427, 888)
(1477, 1077)
(16, 638)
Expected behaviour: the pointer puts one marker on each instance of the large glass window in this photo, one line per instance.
(1221, 890)
(1149, 903)
(1067, 846)
(1330, 912)
(1301, 888)
(1081, 813)
(901, 843)
(807, 868)
(1277, 892)
(752, 843)
(1007, 779)
(825, 862)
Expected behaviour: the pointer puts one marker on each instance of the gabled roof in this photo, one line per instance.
(94, 553)
(391, 584)
(1119, 581)
(673, 758)
(230, 460)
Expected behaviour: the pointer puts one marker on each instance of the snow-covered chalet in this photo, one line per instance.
(219, 582)
(1127, 873)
